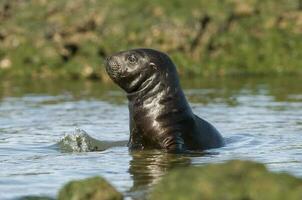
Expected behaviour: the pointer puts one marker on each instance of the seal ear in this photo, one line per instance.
(153, 65)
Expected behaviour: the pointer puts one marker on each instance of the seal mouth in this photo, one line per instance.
(110, 62)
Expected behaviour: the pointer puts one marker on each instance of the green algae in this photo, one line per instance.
(94, 188)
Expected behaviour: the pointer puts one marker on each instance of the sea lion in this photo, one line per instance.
(160, 116)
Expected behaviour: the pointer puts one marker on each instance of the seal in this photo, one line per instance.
(160, 116)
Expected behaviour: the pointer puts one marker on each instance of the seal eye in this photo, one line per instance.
(132, 59)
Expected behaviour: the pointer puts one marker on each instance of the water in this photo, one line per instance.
(261, 120)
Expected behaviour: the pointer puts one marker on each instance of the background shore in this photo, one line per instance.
(69, 39)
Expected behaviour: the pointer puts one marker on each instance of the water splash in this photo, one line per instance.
(81, 141)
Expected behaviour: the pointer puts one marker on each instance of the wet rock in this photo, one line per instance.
(94, 188)
(231, 180)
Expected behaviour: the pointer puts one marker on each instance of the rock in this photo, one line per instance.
(231, 180)
(5, 63)
(243, 9)
(95, 188)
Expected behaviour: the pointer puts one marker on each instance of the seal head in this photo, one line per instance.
(131, 69)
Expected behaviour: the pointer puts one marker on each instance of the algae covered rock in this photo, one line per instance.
(231, 180)
(94, 188)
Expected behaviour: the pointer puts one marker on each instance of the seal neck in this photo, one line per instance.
(145, 87)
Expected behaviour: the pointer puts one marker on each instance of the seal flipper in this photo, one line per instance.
(211, 138)
(135, 141)
(173, 143)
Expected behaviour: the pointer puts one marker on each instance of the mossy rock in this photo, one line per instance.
(232, 180)
(94, 188)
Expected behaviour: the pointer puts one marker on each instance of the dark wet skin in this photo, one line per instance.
(160, 116)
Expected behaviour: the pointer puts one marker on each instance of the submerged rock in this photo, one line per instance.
(231, 180)
(94, 188)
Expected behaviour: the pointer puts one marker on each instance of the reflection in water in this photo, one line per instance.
(199, 90)
(77, 89)
(146, 167)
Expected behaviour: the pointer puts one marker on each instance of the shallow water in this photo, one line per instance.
(261, 120)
